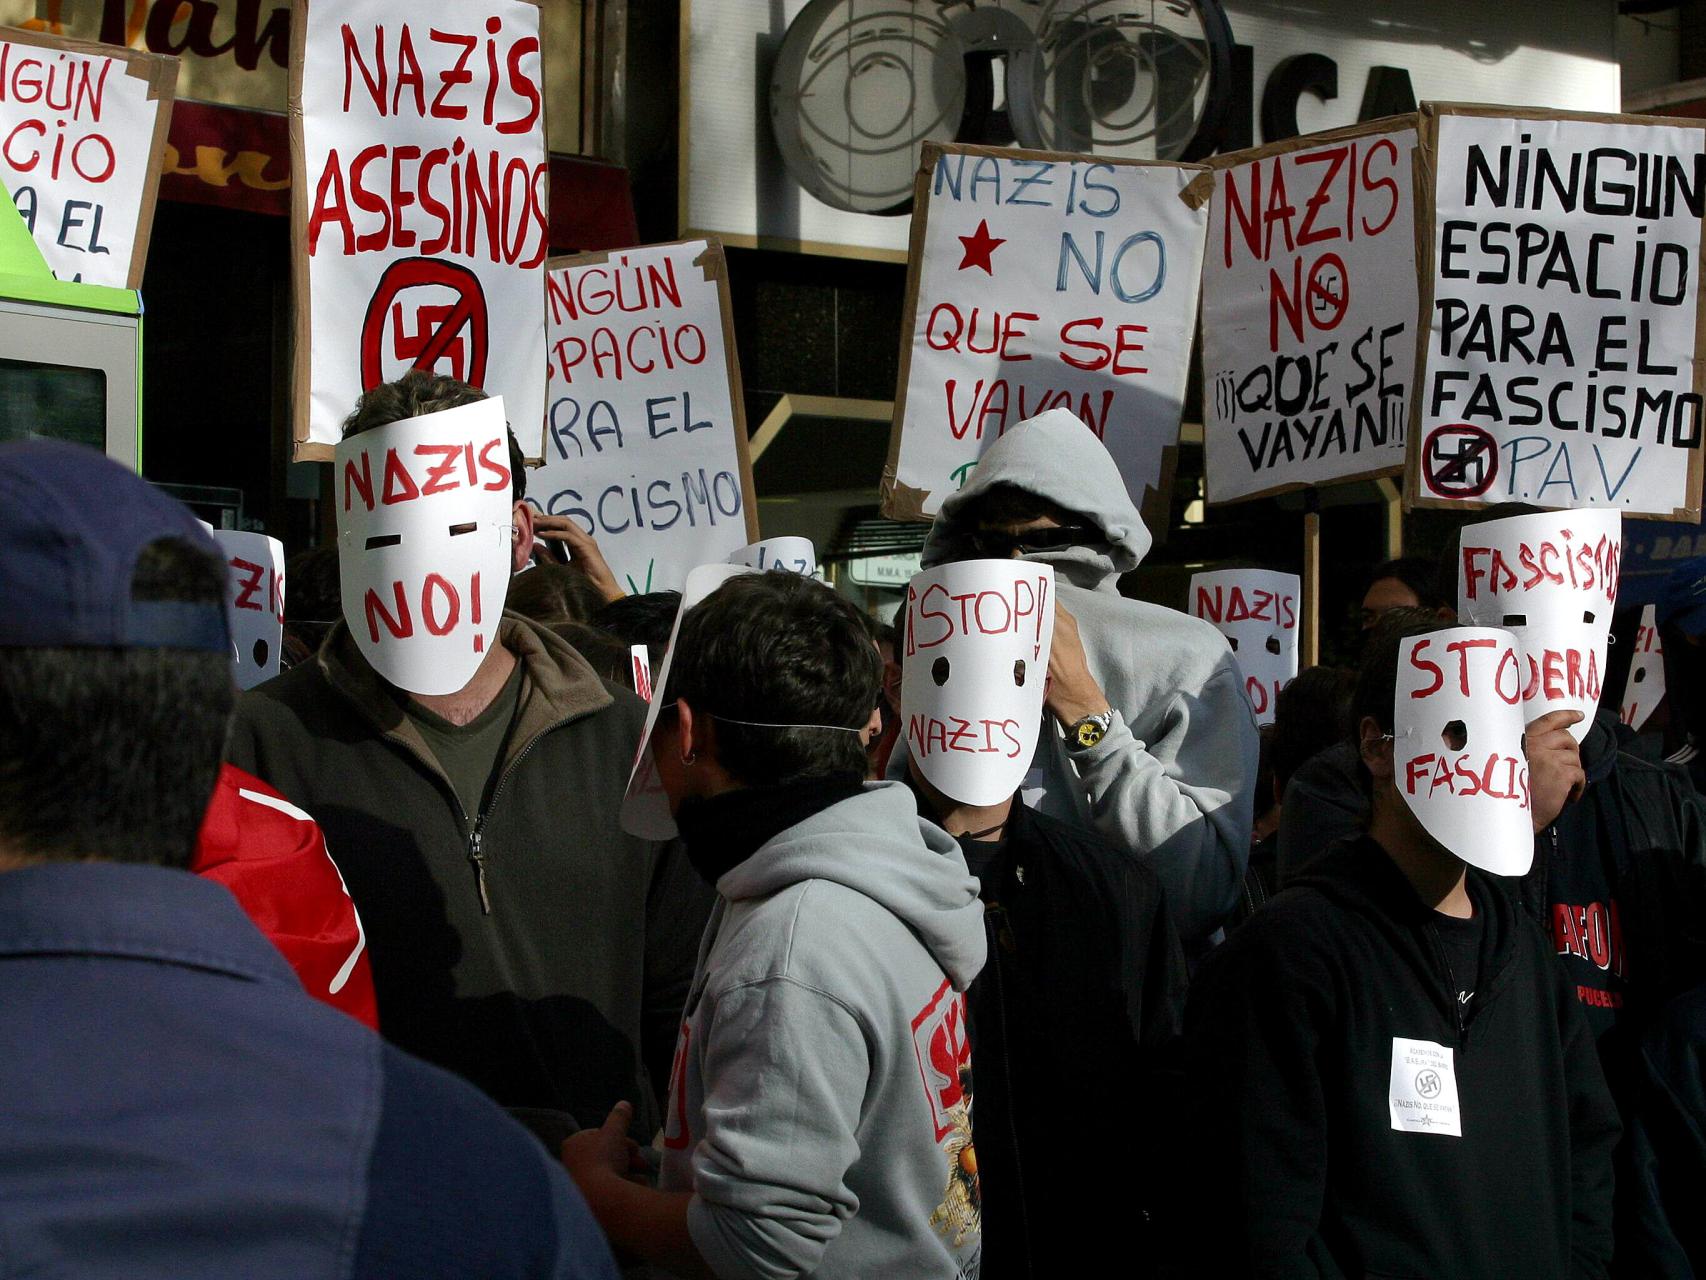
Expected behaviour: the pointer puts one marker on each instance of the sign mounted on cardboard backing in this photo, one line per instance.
(1559, 363)
(645, 442)
(84, 128)
(1309, 311)
(419, 224)
(1042, 281)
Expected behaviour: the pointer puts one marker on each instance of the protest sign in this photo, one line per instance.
(640, 660)
(1309, 310)
(419, 211)
(645, 443)
(978, 634)
(1042, 281)
(794, 554)
(84, 132)
(254, 602)
(1257, 611)
(1551, 580)
(1645, 687)
(1457, 752)
(424, 530)
(1560, 266)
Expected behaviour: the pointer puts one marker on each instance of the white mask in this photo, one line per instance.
(1646, 686)
(254, 601)
(424, 526)
(1256, 610)
(1457, 751)
(1550, 579)
(973, 670)
(796, 554)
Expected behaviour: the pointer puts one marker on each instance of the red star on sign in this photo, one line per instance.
(978, 248)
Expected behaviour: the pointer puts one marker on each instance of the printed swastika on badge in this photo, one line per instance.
(1459, 461)
(456, 330)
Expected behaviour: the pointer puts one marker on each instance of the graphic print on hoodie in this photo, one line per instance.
(821, 1101)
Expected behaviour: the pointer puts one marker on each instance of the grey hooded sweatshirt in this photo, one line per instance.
(1172, 781)
(820, 1109)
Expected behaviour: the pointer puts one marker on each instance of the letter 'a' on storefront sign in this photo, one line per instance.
(1560, 361)
(419, 209)
(1037, 281)
(254, 602)
(645, 427)
(424, 522)
(973, 670)
(1457, 754)
(1257, 611)
(1309, 310)
(82, 136)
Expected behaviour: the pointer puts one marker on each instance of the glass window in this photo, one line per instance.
(61, 402)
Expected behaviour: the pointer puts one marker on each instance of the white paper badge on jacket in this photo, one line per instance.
(973, 669)
(1256, 610)
(424, 522)
(1457, 753)
(1551, 580)
(795, 554)
(645, 807)
(254, 600)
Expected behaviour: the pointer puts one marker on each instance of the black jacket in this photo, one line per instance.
(1290, 1065)
(1664, 1233)
(1085, 978)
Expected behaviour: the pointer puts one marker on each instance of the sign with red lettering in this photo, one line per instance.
(82, 134)
(1257, 611)
(255, 602)
(424, 522)
(1551, 580)
(640, 660)
(1645, 688)
(1041, 281)
(973, 670)
(1309, 310)
(420, 217)
(1457, 753)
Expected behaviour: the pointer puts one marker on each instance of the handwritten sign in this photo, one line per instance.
(640, 660)
(645, 442)
(797, 555)
(1309, 311)
(1645, 687)
(82, 134)
(1040, 281)
(1457, 752)
(1559, 364)
(1256, 610)
(254, 602)
(419, 217)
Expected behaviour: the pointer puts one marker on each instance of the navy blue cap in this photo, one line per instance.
(72, 525)
(1682, 599)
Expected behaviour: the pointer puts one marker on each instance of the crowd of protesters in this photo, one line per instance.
(337, 977)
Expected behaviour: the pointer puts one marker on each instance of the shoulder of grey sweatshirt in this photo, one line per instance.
(1173, 780)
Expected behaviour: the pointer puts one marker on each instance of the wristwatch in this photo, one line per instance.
(1086, 733)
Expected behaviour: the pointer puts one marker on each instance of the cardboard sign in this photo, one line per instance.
(83, 128)
(645, 442)
(1257, 611)
(255, 603)
(1309, 310)
(419, 210)
(797, 555)
(1560, 265)
(424, 519)
(1645, 688)
(1457, 752)
(1042, 281)
(973, 672)
(1551, 580)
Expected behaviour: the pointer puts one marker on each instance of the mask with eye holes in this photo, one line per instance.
(1257, 611)
(974, 665)
(424, 520)
(1551, 580)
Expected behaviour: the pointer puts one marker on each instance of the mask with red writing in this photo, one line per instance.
(1256, 610)
(794, 554)
(1551, 580)
(1457, 753)
(973, 670)
(254, 600)
(424, 518)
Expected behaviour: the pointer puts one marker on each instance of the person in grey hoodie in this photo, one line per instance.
(819, 1117)
(1157, 744)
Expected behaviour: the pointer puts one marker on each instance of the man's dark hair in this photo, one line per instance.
(547, 592)
(1310, 715)
(418, 392)
(112, 754)
(1377, 680)
(643, 619)
(779, 648)
(1422, 577)
(603, 652)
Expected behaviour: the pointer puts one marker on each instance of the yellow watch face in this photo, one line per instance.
(1089, 733)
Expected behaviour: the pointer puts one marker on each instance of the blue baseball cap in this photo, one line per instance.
(1682, 599)
(72, 525)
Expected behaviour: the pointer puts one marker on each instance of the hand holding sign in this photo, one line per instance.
(1555, 775)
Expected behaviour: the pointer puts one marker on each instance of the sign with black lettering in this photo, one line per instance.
(1309, 310)
(1560, 358)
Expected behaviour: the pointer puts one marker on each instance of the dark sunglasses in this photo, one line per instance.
(1004, 544)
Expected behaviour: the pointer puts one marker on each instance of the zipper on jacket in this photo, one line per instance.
(477, 856)
(476, 833)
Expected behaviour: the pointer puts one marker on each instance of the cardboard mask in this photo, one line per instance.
(1256, 610)
(255, 602)
(1551, 580)
(796, 554)
(973, 669)
(1457, 752)
(1645, 688)
(424, 518)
